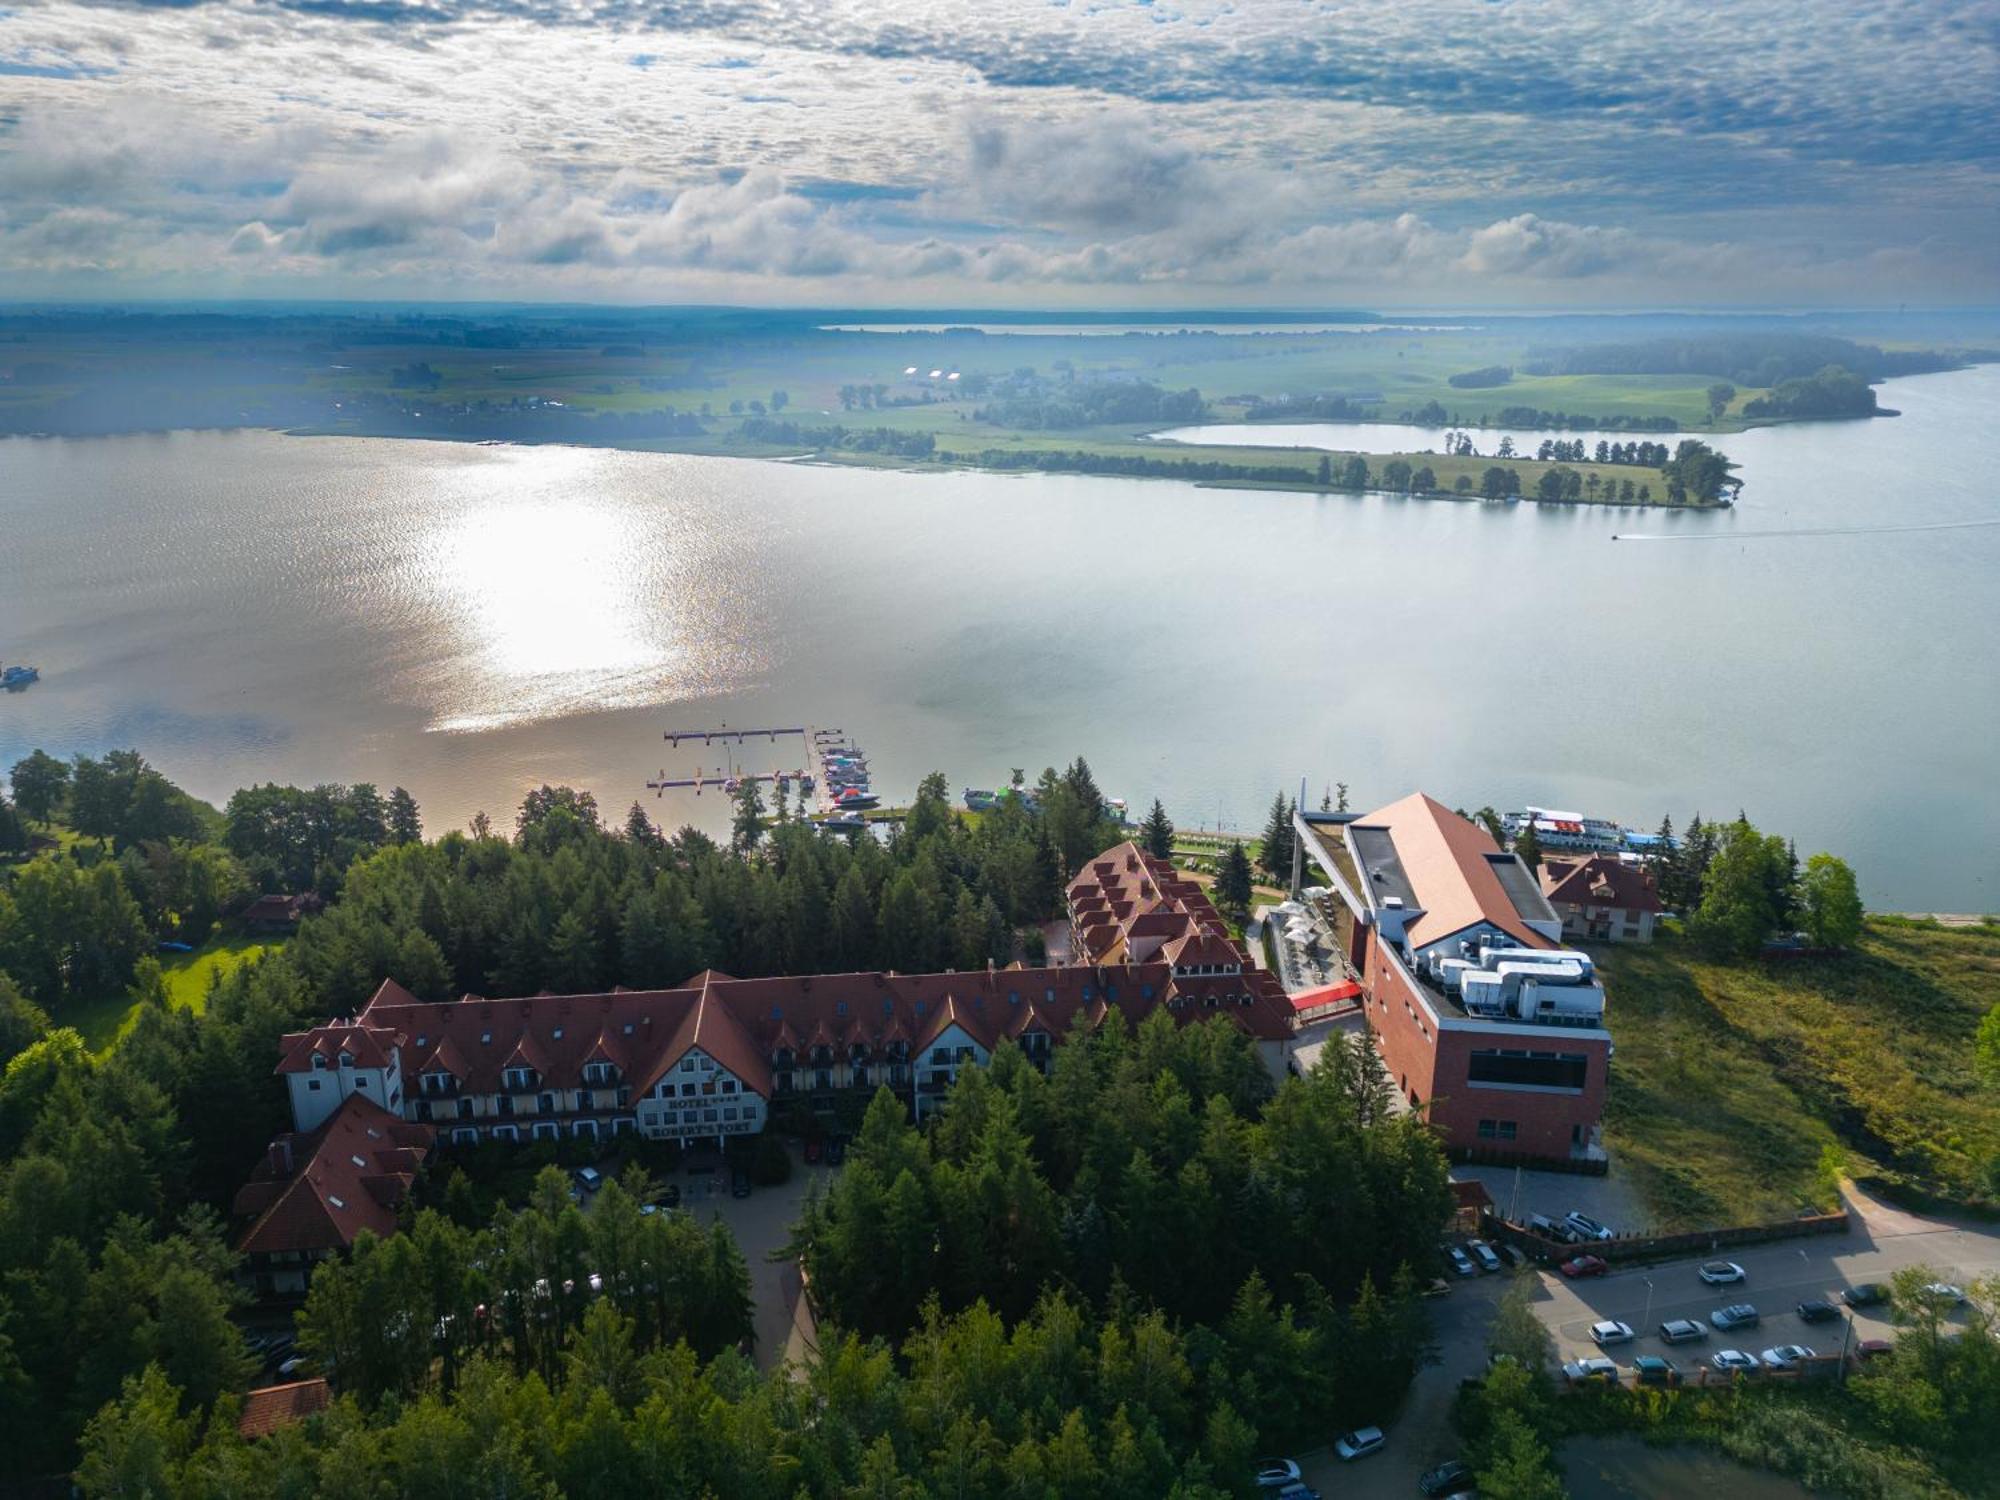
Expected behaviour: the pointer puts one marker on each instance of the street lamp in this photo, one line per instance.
(1647, 1321)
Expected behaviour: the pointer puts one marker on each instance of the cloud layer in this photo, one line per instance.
(1256, 151)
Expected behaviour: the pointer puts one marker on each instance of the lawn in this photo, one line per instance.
(1730, 1079)
(103, 1022)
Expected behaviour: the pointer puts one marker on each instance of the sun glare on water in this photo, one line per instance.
(558, 605)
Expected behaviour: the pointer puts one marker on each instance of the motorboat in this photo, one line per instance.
(15, 678)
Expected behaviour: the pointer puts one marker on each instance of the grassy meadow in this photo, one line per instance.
(102, 1023)
(1730, 1079)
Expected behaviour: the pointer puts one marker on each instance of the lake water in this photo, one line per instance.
(471, 621)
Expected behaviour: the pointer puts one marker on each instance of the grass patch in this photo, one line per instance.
(1731, 1078)
(104, 1022)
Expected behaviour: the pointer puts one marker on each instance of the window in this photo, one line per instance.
(1548, 1070)
(687, 1065)
(319, 1062)
(729, 1085)
(840, 1008)
(628, 1028)
(361, 1082)
(687, 1091)
(313, 1084)
(557, 1033)
(1507, 1130)
(729, 1113)
(336, 1202)
(485, 1038)
(940, 1056)
(708, 1115)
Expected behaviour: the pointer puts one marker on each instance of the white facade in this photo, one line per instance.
(699, 1098)
(937, 1065)
(319, 1090)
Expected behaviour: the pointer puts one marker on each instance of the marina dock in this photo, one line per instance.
(837, 771)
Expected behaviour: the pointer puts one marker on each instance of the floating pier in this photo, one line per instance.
(841, 780)
(739, 736)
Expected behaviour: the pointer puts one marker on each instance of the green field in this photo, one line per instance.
(1730, 1079)
(103, 1022)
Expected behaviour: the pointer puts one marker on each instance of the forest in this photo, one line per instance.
(1040, 1334)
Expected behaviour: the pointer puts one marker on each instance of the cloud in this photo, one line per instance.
(1263, 151)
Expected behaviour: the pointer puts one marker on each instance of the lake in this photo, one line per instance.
(472, 621)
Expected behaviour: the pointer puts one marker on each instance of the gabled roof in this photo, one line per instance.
(270, 1407)
(1600, 881)
(1449, 866)
(370, 1046)
(346, 1176)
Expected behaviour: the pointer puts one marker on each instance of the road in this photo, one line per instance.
(1883, 1240)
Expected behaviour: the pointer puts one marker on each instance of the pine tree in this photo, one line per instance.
(406, 824)
(1232, 884)
(748, 826)
(1528, 845)
(1157, 834)
(1275, 858)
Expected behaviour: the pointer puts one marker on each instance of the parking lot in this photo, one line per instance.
(1882, 1241)
(1518, 1192)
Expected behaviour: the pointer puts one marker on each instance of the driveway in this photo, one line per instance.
(1518, 1192)
(762, 1223)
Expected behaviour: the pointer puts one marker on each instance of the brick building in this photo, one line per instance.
(1484, 1019)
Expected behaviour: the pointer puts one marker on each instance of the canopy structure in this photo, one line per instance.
(1316, 1004)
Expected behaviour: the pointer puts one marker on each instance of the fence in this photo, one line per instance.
(1659, 1246)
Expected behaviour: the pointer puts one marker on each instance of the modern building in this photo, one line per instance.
(1484, 1020)
(320, 1186)
(1602, 899)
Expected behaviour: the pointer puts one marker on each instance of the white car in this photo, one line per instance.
(1483, 1253)
(1787, 1356)
(1610, 1332)
(1586, 1227)
(1731, 1360)
(1944, 1291)
(1359, 1443)
(1596, 1367)
(1276, 1473)
(1722, 1273)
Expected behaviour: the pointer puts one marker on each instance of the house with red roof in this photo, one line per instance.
(1602, 899)
(316, 1190)
(270, 1407)
(1485, 1021)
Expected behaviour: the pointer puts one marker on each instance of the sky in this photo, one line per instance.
(1005, 152)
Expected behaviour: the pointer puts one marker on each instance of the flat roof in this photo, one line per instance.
(1382, 872)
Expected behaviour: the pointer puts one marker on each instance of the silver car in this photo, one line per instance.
(1683, 1331)
(1733, 1361)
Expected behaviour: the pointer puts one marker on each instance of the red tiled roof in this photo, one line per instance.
(741, 1022)
(1126, 893)
(1599, 881)
(368, 1044)
(270, 1407)
(346, 1176)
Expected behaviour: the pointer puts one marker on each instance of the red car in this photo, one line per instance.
(1584, 1265)
(812, 1148)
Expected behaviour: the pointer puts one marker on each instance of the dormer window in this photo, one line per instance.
(347, 1059)
(557, 1033)
(519, 1080)
(319, 1062)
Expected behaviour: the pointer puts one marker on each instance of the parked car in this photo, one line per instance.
(1873, 1349)
(1483, 1253)
(1460, 1261)
(1653, 1370)
(836, 1150)
(1452, 1477)
(1736, 1315)
(1721, 1273)
(1359, 1443)
(1610, 1331)
(1587, 1227)
(1276, 1473)
(1735, 1361)
(1944, 1291)
(1683, 1331)
(589, 1179)
(1552, 1229)
(812, 1148)
(1596, 1367)
(1584, 1265)
(1786, 1356)
(1818, 1312)
(290, 1367)
(739, 1183)
(1867, 1294)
